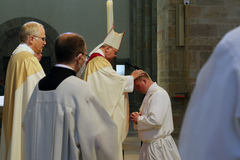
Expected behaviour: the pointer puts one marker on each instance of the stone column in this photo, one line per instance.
(143, 44)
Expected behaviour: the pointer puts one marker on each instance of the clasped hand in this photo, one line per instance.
(134, 116)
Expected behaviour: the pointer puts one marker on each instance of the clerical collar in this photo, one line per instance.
(151, 88)
(63, 66)
(100, 52)
(23, 47)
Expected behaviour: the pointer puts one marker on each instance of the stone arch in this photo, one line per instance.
(9, 41)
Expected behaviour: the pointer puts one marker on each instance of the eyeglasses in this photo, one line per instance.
(43, 38)
(87, 56)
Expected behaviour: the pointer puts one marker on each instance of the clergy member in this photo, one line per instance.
(64, 118)
(111, 88)
(23, 73)
(154, 122)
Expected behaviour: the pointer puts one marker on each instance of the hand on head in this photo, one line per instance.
(137, 73)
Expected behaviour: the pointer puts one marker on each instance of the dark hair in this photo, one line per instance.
(68, 46)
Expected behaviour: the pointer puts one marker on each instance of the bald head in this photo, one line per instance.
(68, 46)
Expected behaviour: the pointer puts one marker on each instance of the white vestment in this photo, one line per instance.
(68, 123)
(211, 127)
(112, 90)
(23, 73)
(155, 126)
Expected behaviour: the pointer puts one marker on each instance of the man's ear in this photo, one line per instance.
(144, 81)
(31, 39)
(79, 57)
(107, 48)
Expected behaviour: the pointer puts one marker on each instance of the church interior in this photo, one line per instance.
(169, 39)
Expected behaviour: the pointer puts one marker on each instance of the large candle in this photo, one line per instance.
(109, 15)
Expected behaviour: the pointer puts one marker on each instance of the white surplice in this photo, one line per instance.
(69, 123)
(155, 126)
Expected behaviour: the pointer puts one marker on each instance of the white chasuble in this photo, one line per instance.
(112, 90)
(69, 123)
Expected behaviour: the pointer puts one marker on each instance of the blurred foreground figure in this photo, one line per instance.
(211, 128)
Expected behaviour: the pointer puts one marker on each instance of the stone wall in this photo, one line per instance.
(171, 59)
(206, 22)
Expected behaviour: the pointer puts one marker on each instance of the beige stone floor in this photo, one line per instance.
(131, 146)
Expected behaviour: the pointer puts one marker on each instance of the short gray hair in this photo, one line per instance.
(28, 29)
(105, 45)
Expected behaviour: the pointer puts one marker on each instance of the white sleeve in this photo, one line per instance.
(158, 105)
(130, 84)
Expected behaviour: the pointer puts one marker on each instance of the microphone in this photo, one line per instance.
(129, 64)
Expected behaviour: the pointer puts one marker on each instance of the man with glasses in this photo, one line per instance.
(39, 54)
(81, 71)
(111, 88)
(64, 118)
(23, 73)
